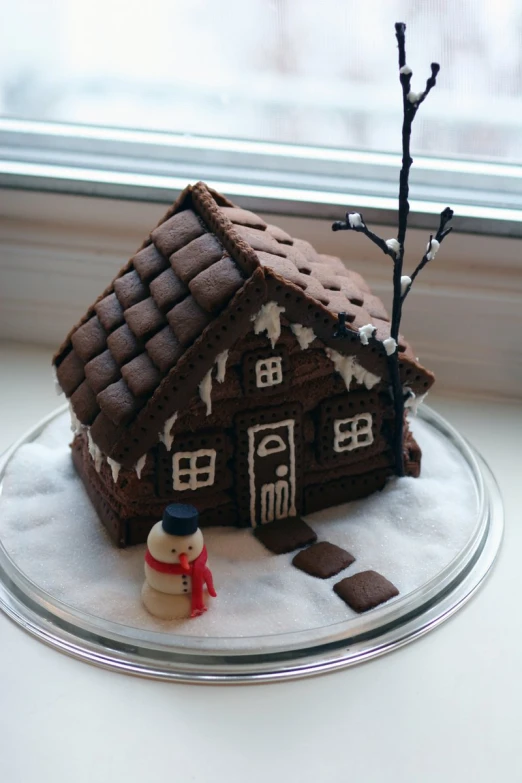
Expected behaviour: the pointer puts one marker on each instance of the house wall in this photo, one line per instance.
(310, 382)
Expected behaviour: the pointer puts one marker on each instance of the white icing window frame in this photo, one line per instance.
(269, 372)
(353, 437)
(193, 471)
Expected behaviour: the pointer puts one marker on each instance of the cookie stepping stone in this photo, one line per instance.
(285, 535)
(365, 590)
(323, 560)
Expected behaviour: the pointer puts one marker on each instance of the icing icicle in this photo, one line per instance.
(57, 388)
(365, 332)
(76, 425)
(304, 335)
(349, 368)
(94, 451)
(221, 365)
(268, 320)
(166, 437)
(115, 468)
(414, 400)
(205, 391)
(138, 467)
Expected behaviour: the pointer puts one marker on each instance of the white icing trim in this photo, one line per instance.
(94, 451)
(355, 220)
(405, 70)
(405, 284)
(268, 320)
(390, 345)
(264, 451)
(138, 467)
(76, 425)
(354, 437)
(58, 389)
(115, 468)
(432, 249)
(269, 372)
(365, 332)
(393, 245)
(166, 436)
(221, 366)
(414, 400)
(348, 367)
(305, 335)
(290, 424)
(205, 391)
(413, 97)
(193, 470)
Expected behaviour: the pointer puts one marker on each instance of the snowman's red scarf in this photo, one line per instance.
(197, 570)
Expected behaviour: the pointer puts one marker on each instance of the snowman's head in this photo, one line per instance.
(167, 548)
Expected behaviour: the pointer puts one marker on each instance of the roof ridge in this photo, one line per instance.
(205, 202)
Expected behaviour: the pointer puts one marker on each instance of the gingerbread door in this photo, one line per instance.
(268, 468)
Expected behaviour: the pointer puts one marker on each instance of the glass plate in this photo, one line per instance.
(171, 656)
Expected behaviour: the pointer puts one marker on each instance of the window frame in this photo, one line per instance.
(284, 179)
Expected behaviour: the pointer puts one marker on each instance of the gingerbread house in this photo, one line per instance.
(212, 371)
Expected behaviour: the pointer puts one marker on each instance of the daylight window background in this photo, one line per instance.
(291, 71)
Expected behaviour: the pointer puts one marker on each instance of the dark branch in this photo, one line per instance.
(362, 228)
(442, 232)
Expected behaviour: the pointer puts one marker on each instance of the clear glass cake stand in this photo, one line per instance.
(174, 657)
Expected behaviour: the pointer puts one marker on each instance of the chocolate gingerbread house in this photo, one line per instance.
(212, 371)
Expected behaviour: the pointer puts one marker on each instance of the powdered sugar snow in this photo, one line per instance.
(408, 532)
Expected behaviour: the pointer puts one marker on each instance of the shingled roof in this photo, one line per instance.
(141, 350)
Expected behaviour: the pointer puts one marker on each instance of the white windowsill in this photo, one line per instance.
(458, 689)
(58, 252)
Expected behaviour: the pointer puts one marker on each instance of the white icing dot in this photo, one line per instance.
(365, 332)
(405, 283)
(166, 437)
(355, 220)
(405, 70)
(432, 249)
(304, 334)
(393, 245)
(413, 97)
(268, 320)
(390, 346)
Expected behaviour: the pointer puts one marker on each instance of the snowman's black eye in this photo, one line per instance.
(190, 547)
(173, 551)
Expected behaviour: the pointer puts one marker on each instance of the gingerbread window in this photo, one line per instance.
(193, 469)
(269, 372)
(353, 433)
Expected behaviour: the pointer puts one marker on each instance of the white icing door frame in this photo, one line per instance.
(272, 487)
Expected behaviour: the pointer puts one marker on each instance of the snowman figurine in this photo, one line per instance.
(176, 570)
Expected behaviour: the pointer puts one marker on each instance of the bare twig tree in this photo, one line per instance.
(394, 248)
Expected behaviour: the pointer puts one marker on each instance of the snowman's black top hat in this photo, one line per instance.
(180, 519)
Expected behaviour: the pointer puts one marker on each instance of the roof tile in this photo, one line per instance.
(117, 402)
(243, 217)
(164, 349)
(144, 318)
(101, 371)
(187, 320)
(196, 256)
(215, 286)
(149, 263)
(89, 339)
(167, 289)
(177, 231)
(129, 289)
(70, 373)
(141, 375)
(123, 344)
(110, 312)
(84, 403)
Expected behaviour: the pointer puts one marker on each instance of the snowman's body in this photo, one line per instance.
(167, 595)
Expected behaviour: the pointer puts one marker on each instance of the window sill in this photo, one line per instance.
(58, 252)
